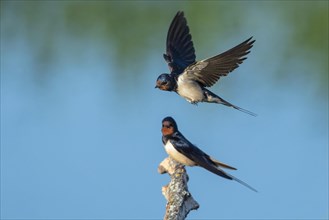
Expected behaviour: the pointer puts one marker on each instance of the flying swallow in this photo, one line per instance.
(184, 152)
(188, 77)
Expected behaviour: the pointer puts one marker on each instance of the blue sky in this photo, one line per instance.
(80, 118)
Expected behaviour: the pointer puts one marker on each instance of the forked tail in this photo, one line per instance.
(211, 97)
(220, 172)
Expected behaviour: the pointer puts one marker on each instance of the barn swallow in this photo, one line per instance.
(184, 152)
(189, 78)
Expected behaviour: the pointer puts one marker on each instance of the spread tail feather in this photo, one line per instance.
(211, 97)
(221, 173)
(220, 164)
(243, 183)
(209, 165)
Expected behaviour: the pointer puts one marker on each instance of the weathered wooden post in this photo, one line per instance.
(179, 200)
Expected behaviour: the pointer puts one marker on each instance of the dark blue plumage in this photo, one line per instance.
(183, 151)
(189, 77)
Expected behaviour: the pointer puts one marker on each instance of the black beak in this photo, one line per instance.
(156, 85)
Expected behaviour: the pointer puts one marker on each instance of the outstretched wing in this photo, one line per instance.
(180, 52)
(208, 71)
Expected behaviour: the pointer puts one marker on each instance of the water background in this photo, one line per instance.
(80, 118)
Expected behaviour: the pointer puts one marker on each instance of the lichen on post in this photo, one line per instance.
(179, 200)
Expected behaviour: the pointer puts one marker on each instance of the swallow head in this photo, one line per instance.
(169, 126)
(165, 82)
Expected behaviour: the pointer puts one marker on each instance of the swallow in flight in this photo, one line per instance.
(184, 152)
(188, 77)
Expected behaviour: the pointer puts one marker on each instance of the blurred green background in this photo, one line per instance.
(80, 118)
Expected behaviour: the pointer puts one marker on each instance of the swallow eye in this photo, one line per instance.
(164, 83)
(166, 125)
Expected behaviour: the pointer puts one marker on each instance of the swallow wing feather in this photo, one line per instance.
(208, 71)
(202, 159)
(192, 152)
(180, 52)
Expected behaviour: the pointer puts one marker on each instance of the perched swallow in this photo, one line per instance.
(183, 151)
(189, 78)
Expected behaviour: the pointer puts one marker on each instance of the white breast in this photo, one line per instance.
(177, 156)
(189, 89)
